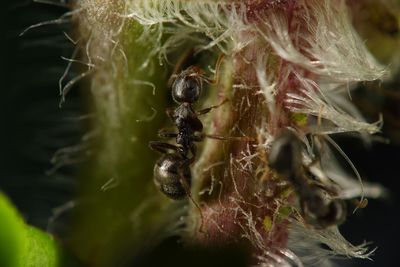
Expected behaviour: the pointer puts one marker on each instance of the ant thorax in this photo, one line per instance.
(184, 117)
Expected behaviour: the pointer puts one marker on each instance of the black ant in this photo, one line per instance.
(317, 205)
(172, 171)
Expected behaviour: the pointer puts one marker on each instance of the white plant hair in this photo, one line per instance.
(323, 42)
(330, 47)
(323, 51)
(311, 100)
(319, 49)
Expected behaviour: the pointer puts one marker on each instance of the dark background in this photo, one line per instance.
(33, 127)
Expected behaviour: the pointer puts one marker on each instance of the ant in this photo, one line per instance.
(172, 171)
(317, 206)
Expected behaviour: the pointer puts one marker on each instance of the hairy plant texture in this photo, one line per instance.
(288, 64)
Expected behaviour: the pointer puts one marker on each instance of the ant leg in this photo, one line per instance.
(206, 110)
(193, 150)
(162, 147)
(186, 186)
(170, 113)
(198, 138)
(225, 138)
(165, 134)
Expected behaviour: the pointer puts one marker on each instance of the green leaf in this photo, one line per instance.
(22, 245)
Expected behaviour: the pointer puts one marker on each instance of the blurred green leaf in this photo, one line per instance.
(22, 245)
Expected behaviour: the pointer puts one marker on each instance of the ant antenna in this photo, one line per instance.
(341, 152)
(178, 66)
(217, 68)
(362, 200)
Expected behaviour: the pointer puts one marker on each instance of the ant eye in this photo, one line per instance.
(186, 89)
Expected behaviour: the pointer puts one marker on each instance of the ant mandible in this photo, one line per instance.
(317, 206)
(172, 171)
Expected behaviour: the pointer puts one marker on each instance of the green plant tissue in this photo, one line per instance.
(22, 245)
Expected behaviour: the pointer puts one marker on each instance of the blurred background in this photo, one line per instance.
(34, 128)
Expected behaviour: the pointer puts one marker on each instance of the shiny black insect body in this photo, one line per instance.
(172, 170)
(172, 174)
(318, 207)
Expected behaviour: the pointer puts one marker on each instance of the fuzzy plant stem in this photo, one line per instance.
(120, 212)
(286, 66)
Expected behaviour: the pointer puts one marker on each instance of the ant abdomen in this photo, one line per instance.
(169, 171)
(322, 211)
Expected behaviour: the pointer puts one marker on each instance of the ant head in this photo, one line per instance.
(285, 154)
(187, 85)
